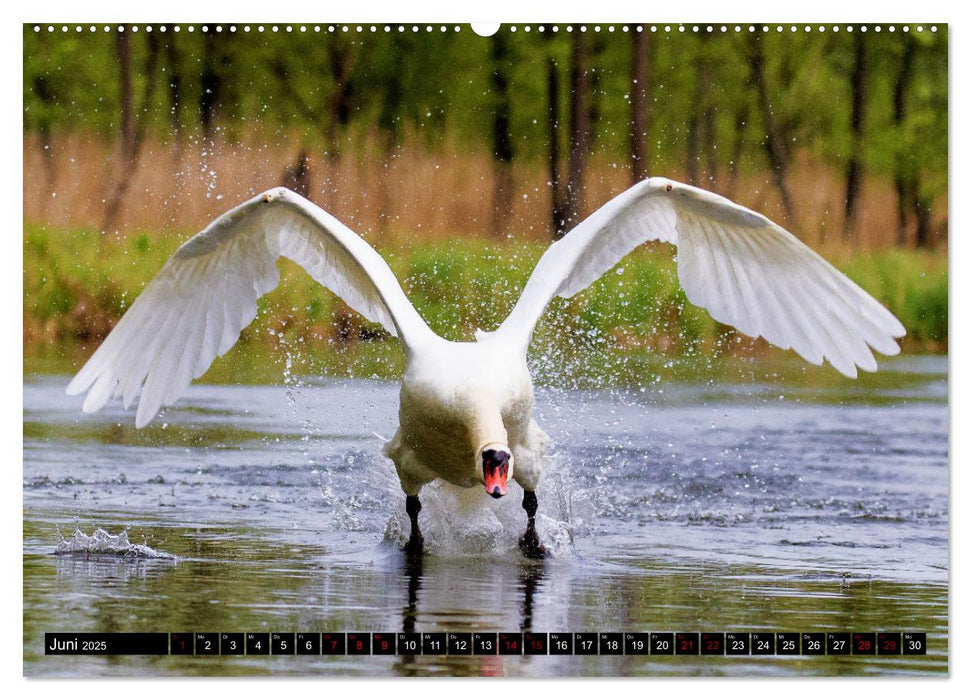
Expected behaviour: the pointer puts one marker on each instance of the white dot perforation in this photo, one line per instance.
(539, 28)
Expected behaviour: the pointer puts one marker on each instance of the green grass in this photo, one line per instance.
(634, 320)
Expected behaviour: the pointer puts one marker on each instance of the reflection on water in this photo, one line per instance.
(707, 508)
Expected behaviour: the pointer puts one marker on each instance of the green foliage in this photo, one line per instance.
(78, 283)
(437, 85)
(912, 284)
(467, 285)
(926, 306)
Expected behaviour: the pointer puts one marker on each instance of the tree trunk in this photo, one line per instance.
(854, 168)
(901, 175)
(126, 119)
(341, 62)
(640, 114)
(389, 123)
(502, 149)
(332, 113)
(741, 121)
(700, 129)
(596, 46)
(174, 76)
(579, 128)
(922, 212)
(775, 143)
(132, 128)
(558, 207)
(44, 92)
(210, 84)
(711, 146)
(175, 90)
(389, 141)
(297, 176)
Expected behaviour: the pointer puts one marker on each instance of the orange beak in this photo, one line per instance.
(495, 468)
(495, 484)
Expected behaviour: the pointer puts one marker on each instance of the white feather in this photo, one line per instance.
(199, 303)
(745, 270)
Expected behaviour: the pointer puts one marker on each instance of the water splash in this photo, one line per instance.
(460, 522)
(102, 543)
(294, 384)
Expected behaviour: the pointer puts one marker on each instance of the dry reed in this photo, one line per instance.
(416, 194)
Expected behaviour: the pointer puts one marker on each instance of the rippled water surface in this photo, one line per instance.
(693, 506)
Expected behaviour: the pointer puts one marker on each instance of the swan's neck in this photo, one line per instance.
(487, 427)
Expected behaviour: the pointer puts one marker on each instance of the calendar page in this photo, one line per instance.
(532, 350)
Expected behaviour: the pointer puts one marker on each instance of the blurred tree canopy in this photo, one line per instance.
(715, 103)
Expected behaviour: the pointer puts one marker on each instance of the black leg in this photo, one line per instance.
(416, 541)
(529, 543)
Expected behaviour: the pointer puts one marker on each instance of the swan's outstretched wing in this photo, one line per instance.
(745, 270)
(197, 305)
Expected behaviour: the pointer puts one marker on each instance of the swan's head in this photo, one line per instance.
(496, 468)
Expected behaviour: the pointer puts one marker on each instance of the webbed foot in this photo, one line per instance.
(415, 545)
(530, 545)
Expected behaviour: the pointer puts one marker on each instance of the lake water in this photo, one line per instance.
(693, 506)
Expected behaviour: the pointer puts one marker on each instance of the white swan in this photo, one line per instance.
(466, 408)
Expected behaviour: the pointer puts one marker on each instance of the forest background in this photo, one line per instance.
(460, 157)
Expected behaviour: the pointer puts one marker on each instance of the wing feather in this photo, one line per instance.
(776, 305)
(747, 271)
(205, 295)
(143, 351)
